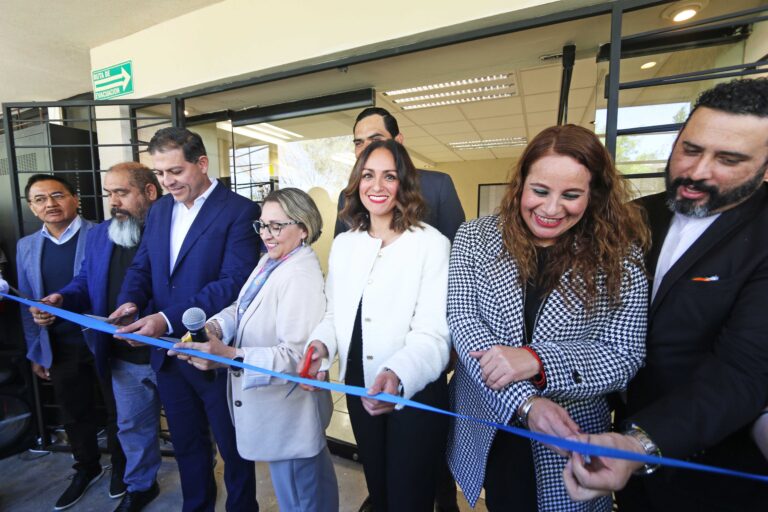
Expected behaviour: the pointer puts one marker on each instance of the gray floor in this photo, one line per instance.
(34, 484)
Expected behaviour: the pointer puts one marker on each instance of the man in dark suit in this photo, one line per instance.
(706, 375)
(445, 212)
(197, 250)
(131, 189)
(46, 261)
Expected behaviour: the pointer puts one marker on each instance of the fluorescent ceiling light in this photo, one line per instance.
(648, 65)
(457, 101)
(507, 142)
(270, 127)
(249, 132)
(448, 85)
(460, 92)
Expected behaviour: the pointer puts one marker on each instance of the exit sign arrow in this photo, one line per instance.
(113, 81)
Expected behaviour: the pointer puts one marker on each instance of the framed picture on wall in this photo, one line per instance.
(489, 197)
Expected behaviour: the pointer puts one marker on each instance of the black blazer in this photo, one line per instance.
(706, 373)
(445, 212)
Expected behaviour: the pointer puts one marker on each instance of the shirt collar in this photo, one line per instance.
(66, 235)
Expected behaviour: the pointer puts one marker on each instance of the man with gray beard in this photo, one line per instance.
(131, 189)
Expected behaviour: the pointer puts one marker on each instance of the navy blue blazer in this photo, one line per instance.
(217, 256)
(87, 292)
(444, 211)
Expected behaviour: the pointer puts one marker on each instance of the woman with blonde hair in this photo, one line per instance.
(547, 309)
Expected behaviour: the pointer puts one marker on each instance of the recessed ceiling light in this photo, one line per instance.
(683, 11)
(685, 14)
(448, 85)
(648, 65)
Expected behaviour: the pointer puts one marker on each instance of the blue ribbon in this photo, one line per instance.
(566, 444)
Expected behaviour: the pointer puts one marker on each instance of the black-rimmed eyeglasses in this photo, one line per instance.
(274, 228)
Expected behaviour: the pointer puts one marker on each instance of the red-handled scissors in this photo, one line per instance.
(304, 369)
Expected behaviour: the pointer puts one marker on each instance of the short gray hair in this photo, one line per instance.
(299, 206)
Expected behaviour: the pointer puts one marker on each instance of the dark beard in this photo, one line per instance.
(717, 199)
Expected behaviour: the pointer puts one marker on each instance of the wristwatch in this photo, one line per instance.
(649, 447)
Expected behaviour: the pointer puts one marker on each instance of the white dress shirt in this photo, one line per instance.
(182, 219)
(66, 235)
(683, 232)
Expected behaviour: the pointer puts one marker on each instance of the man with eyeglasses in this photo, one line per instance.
(46, 261)
(197, 250)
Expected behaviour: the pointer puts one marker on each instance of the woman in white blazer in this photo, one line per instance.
(547, 310)
(267, 326)
(385, 319)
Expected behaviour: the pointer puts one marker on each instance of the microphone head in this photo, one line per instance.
(194, 319)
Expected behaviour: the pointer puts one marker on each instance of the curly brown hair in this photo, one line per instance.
(610, 231)
(410, 207)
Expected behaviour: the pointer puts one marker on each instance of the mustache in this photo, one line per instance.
(116, 211)
(694, 184)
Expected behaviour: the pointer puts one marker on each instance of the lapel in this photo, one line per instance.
(728, 222)
(105, 257)
(36, 256)
(659, 218)
(556, 313)
(205, 217)
(504, 278)
(162, 215)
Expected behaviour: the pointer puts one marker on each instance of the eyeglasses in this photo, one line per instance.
(274, 228)
(42, 199)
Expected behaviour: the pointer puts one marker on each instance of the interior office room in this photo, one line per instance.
(274, 89)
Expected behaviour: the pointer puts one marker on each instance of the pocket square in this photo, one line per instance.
(706, 279)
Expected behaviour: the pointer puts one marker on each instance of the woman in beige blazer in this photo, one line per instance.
(267, 326)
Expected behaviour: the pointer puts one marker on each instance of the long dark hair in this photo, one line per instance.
(410, 207)
(599, 242)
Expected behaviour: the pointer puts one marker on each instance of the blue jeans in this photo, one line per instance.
(138, 420)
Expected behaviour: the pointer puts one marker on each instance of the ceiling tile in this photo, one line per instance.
(541, 102)
(492, 108)
(508, 152)
(433, 115)
(542, 118)
(500, 134)
(476, 154)
(457, 137)
(580, 97)
(499, 123)
(445, 128)
(539, 80)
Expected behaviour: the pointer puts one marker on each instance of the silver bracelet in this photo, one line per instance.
(216, 328)
(522, 412)
(649, 447)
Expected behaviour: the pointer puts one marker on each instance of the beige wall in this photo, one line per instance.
(238, 38)
(467, 176)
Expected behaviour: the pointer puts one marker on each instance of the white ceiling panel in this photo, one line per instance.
(542, 118)
(500, 134)
(431, 115)
(446, 128)
(493, 108)
(457, 137)
(541, 102)
(499, 123)
(476, 154)
(508, 152)
(543, 79)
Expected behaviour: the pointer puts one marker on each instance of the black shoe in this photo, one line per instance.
(137, 500)
(367, 506)
(82, 480)
(117, 487)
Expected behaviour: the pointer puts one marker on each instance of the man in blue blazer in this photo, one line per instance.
(198, 249)
(444, 208)
(46, 261)
(131, 189)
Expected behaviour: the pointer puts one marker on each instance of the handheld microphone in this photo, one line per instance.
(194, 320)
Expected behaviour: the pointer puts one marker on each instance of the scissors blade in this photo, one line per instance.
(21, 295)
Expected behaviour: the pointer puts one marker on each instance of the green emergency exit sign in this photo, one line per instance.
(113, 81)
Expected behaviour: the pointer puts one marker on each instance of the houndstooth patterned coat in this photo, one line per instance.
(584, 357)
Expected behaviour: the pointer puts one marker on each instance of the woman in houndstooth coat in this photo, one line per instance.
(547, 310)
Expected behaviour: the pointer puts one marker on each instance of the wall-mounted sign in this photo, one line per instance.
(113, 81)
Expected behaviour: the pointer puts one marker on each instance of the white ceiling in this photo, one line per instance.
(45, 44)
(428, 131)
